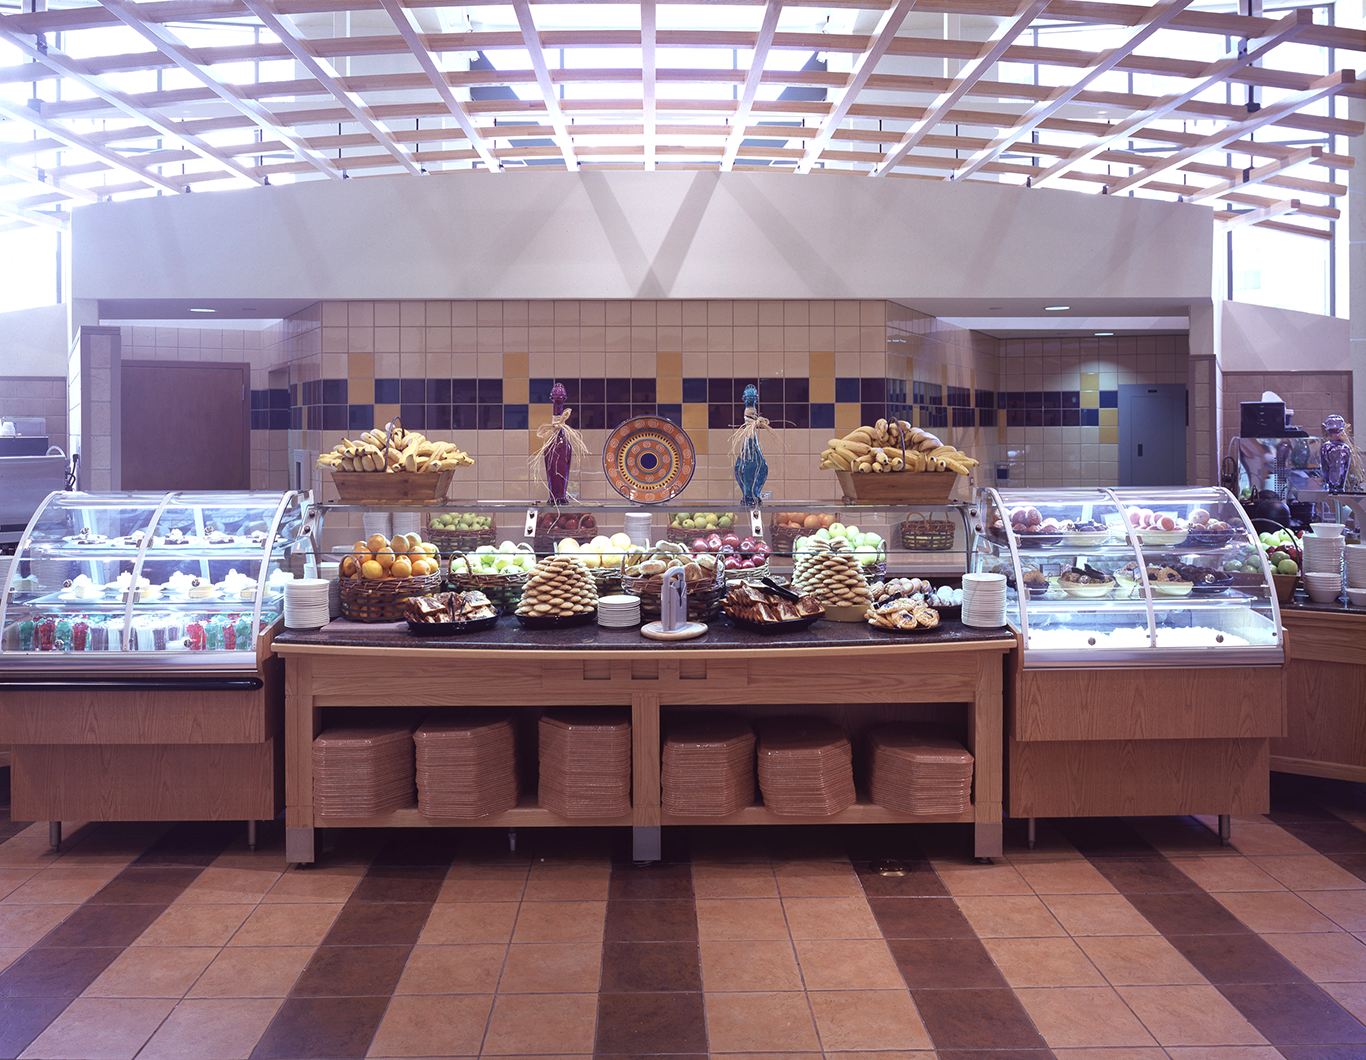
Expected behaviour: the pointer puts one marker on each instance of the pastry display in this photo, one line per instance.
(893, 445)
(559, 587)
(82, 588)
(1086, 582)
(830, 571)
(884, 592)
(907, 614)
(391, 449)
(759, 605)
(448, 607)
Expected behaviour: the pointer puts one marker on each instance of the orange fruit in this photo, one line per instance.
(371, 569)
(349, 567)
(421, 568)
(385, 558)
(377, 542)
(429, 547)
(401, 568)
(360, 548)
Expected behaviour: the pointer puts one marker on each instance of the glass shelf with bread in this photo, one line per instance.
(1130, 576)
(156, 579)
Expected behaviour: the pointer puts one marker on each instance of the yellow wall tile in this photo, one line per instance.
(847, 417)
(1109, 435)
(383, 414)
(1109, 418)
(694, 417)
(514, 366)
(515, 388)
(669, 365)
(701, 437)
(1090, 399)
(539, 414)
(823, 388)
(360, 365)
(822, 365)
(668, 390)
(1090, 381)
(533, 442)
(360, 391)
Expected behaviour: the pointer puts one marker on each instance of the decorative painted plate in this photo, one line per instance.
(649, 459)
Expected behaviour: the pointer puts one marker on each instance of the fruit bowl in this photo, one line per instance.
(1172, 588)
(1160, 538)
(1087, 592)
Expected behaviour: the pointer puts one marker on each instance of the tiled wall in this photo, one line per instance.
(32, 396)
(1063, 428)
(1312, 395)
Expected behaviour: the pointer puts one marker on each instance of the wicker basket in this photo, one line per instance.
(504, 589)
(686, 536)
(920, 533)
(391, 487)
(782, 538)
(461, 540)
(546, 539)
(753, 574)
(704, 598)
(897, 487)
(382, 599)
(607, 580)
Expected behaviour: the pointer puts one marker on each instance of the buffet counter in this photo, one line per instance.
(846, 672)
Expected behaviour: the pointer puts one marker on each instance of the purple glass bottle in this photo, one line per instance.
(559, 454)
(1335, 455)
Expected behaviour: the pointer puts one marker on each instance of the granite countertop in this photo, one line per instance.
(1301, 602)
(509, 634)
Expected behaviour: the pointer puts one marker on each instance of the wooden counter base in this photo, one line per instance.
(874, 681)
(1325, 695)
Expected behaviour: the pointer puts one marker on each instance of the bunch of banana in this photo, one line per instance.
(894, 445)
(394, 449)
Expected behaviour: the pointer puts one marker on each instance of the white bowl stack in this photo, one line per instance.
(1322, 566)
(377, 523)
(984, 600)
(620, 611)
(406, 523)
(637, 527)
(306, 603)
(331, 573)
(1356, 566)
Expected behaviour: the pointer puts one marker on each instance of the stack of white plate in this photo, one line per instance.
(637, 527)
(330, 573)
(406, 523)
(5, 562)
(1356, 566)
(1322, 555)
(306, 603)
(621, 611)
(984, 600)
(378, 523)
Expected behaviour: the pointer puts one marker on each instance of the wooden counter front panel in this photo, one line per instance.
(1325, 636)
(1137, 778)
(1148, 704)
(104, 716)
(1325, 707)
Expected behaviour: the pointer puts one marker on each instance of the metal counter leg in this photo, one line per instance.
(54, 835)
(299, 846)
(1033, 831)
(512, 840)
(1225, 829)
(251, 836)
(646, 842)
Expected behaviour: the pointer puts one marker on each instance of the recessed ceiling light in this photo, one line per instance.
(1055, 308)
(994, 308)
(203, 310)
(1102, 334)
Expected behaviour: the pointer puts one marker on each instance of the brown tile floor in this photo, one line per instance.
(1136, 939)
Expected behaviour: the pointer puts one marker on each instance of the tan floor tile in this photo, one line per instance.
(10, 879)
(59, 885)
(1228, 874)
(817, 879)
(222, 1030)
(740, 880)
(1009, 916)
(299, 924)
(1271, 912)
(848, 964)
(26, 852)
(484, 883)
(898, 1054)
(1218, 1052)
(253, 971)
(1335, 958)
(1097, 914)
(1140, 960)
(1351, 996)
(551, 882)
(10, 954)
(1137, 1052)
(1064, 876)
(152, 971)
(432, 1026)
(461, 922)
(1190, 1015)
(749, 966)
(100, 1029)
(195, 925)
(560, 922)
(331, 884)
(746, 1022)
(1258, 839)
(741, 918)
(452, 970)
(23, 925)
(552, 968)
(830, 918)
(1043, 962)
(816, 1056)
(1347, 909)
(1077, 1017)
(541, 1023)
(868, 1019)
(1310, 872)
(981, 879)
(226, 886)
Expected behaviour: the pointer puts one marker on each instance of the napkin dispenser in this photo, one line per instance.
(673, 600)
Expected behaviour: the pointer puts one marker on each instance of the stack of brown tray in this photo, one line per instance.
(363, 770)
(805, 767)
(708, 768)
(466, 767)
(585, 758)
(919, 768)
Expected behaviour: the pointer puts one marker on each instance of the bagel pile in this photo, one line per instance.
(893, 445)
(829, 571)
(393, 449)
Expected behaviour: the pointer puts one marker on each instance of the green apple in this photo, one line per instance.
(837, 530)
(1287, 566)
(724, 522)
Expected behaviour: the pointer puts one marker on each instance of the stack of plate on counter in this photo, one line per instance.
(307, 603)
(585, 758)
(363, 770)
(405, 523)
(466, 768)
(1356, 567)
(708, 768)
(621, 611)
(331, 573)
(636, 526)
(5, 562)
(1322, 566)
(984, 600)
(378, 523)
(919, 768)
(806, 766)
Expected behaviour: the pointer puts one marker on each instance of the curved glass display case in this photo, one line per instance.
(1131, 577)
(144, 581)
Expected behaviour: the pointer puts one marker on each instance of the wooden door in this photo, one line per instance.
(186, 426)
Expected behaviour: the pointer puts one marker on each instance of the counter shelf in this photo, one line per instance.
(846, 671)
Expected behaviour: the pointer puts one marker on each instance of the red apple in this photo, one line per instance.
(714, 542)
(761, 548)
(731, 562)
(700, 545)
(747, 545)
(732, 540)
(747, 564)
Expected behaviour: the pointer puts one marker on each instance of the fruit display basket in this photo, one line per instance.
(607, 579)
(552, 528)
(392, 487)
(711, 522)
(504, 589)
(461, 538)
(704, 598)
(382, 599)
(920, 533)
(897, 487)
(785, 527)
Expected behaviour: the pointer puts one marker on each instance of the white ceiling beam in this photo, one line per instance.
(1247, 53)
(1295, 230)
(1239, 219)
(328, 77)
(1323, 88)
(649, 26)
(531, 38)
(1256, 176)
(773, 10)
(1158, 16)
(403, 22)
(40, 179)
(887, 28)
(1002, 37)
(169, 45)
(35, 217)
